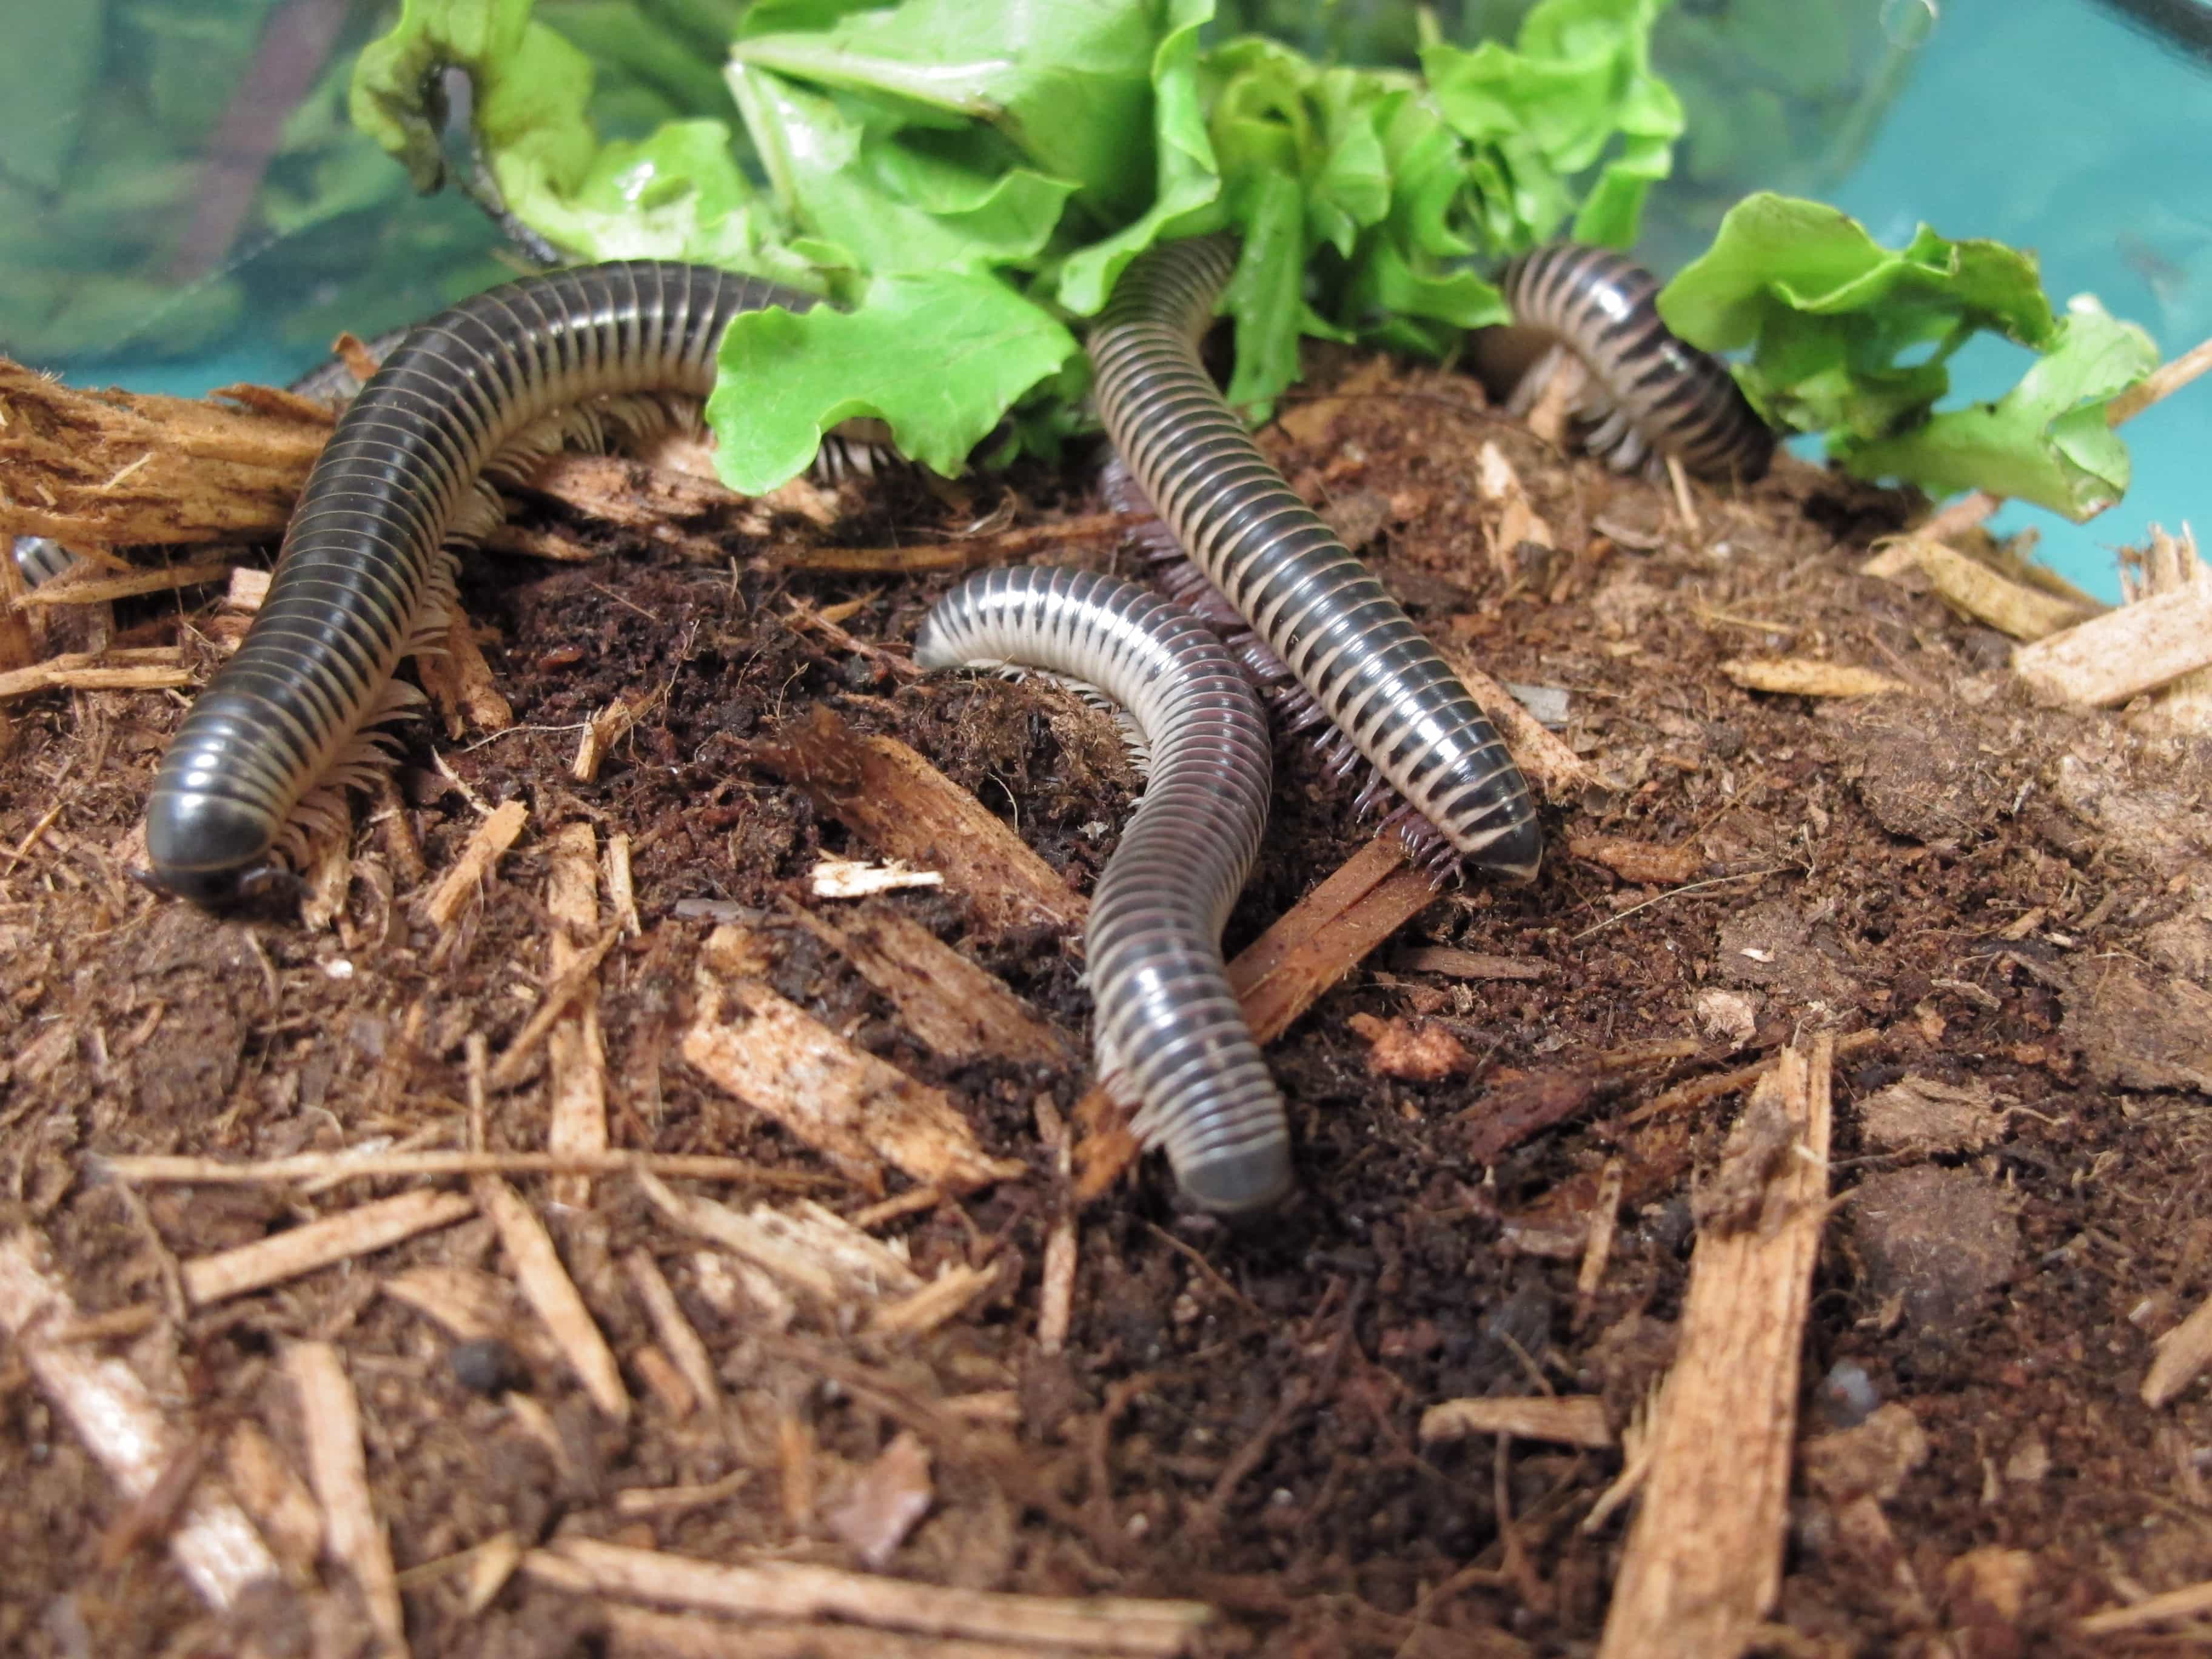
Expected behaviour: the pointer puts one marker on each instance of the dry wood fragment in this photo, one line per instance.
(806, 1247)
(891, 1496)
(471, 1304)
(365, 1166)
(641, 1633)
(492, 1563)
(1605, 1221)
(1056, 1299)
(972, 553)
(18, 649)
(2010, 607)
(2184, 1354)
(1499, 487)
(442, 906)
(1326, 934)
(669, 1500)
(790, 1589)
(859, 1111)
(337, 1468)
(279, 1501)
(321, 1243)
(1554, 771)
(545, 1283)
(2190, 1602)
(662, 1380)
(1455, 963)
(575, 1049)
(937, 1303)
(1645, 863)
(151, 669)
(601, 733)
(882, 790)
(131, 1434)
(677, 1334)
(98, 586)
(573, 984)
(1702, 1564)
(958, 1009)
(1802, 676)
(2117, 656)
(460, 682)
(1570, 1420)
(116, 470)
(852, 879)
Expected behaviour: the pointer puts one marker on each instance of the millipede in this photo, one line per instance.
(1170, 1037)
(1385, 689)
(1655, 395)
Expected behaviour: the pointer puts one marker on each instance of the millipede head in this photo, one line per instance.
(209, 848)
(1239, 1182)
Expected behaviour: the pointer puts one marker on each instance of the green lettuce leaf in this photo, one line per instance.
(2047, 440)
(941, 357)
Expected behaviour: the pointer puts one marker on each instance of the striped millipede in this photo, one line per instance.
(1658, 395)
(363, 568)
(1336, 628)
(1169, 1030)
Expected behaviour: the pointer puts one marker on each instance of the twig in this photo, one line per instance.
(158, 1169)
(321, 1243)
(337, 1467)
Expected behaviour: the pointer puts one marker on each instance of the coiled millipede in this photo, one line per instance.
(1170, 1036)
(1655, 394)
(1336, 628)
(364, 573)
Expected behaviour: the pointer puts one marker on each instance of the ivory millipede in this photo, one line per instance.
(1657, 394)
(1309, 601)
(1170, 1032)
(364, 568)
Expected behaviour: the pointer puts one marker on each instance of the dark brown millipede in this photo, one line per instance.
(1656, 394)
(1170, 1036)
(364, 566)
(1316, 607)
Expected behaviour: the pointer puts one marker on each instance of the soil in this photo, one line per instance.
(2000, 910)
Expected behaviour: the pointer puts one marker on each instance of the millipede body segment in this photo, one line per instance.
(363, 566)
(1170, 1032)
(1658, 394)
(1335, 627)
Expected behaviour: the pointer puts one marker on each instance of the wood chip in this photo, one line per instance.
(852, 879)
(131, 1434)
(1056, 1297)
(1573, 1420)
(2125, 653)
(641, 1633)
(2184, 1354)
(859, 1111)
(276, 1496)
(98, 586)
(442, 908)
(337, 1468)
(18, 648)
(1499, 488)
(601, 733)
(1972, 587)
(370, 1166)
(1702, 1564)
(546, 1284)
(1000, 547)
(88, 670)
(470, 1304)
(807, 1248)
(1554, 771)
(322, 1243)
(886, 1502)
(1455, 963)
(1644, 863)
(907, 809)
(1802, 676)
(2190, 1602)
(954, 1289)
(677, 1334)
(791, 1590)
(956, 1008)
(575, 1049)
(115, 469)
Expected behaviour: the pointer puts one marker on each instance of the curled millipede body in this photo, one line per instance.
(1170, 1034)
(1301, 591)
(1655, 394)
(364, 571)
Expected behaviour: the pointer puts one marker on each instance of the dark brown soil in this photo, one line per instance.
(2005, 898)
